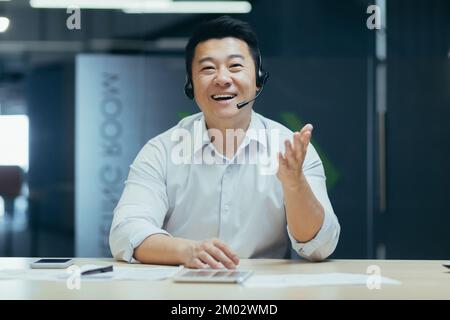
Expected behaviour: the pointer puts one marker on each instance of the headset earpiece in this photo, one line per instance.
(188, 88)
(262, 76)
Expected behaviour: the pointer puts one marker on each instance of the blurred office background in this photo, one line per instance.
(77, 105)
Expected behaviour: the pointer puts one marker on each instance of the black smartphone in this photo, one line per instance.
(52, 263)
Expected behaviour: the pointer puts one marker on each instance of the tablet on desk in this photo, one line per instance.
(212, 275)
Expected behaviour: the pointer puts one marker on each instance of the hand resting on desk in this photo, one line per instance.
(162, 249)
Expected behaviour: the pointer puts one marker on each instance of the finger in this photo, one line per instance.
(197, 264)
(305, 135)
(205, 257)
(298, 147)
(290, 155)
(306, 138)
(226, 250)
(308, 127)
(281, 160)
(220, 256)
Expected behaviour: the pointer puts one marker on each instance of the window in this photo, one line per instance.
(14, 140)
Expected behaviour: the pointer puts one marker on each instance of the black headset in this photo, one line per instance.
(261, 79)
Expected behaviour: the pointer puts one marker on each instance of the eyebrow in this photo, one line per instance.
(231, 56)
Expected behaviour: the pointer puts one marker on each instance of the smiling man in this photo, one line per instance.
(210, 215)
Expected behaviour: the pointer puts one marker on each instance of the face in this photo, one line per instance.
(223, 74)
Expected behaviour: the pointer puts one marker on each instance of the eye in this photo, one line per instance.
(236, 67)
(207, 68)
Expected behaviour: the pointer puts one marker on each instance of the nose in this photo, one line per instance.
(222, 78)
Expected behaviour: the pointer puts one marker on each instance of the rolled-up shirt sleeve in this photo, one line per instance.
(325, 241)
(143, 205)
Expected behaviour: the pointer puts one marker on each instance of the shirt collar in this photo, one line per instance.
(255, 132)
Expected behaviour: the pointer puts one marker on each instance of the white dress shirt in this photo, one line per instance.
(233, 201)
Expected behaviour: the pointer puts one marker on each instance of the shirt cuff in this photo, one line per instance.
(137, 239)
(323, 244)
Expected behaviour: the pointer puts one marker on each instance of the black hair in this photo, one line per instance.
(220, 28)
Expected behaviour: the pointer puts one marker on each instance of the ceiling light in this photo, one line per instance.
(192, 7)
(150, 6)
(86, 4)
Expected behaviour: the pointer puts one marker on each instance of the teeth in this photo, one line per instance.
(223, 96)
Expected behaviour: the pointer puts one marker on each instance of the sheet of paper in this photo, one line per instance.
(119, 273)
(155, 273)
(31, 274)
(309, 280)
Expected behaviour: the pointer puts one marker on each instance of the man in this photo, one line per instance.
(209, 215)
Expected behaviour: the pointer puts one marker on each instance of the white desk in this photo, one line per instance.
(420, 280)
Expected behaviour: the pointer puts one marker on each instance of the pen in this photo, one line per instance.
(98, 270)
